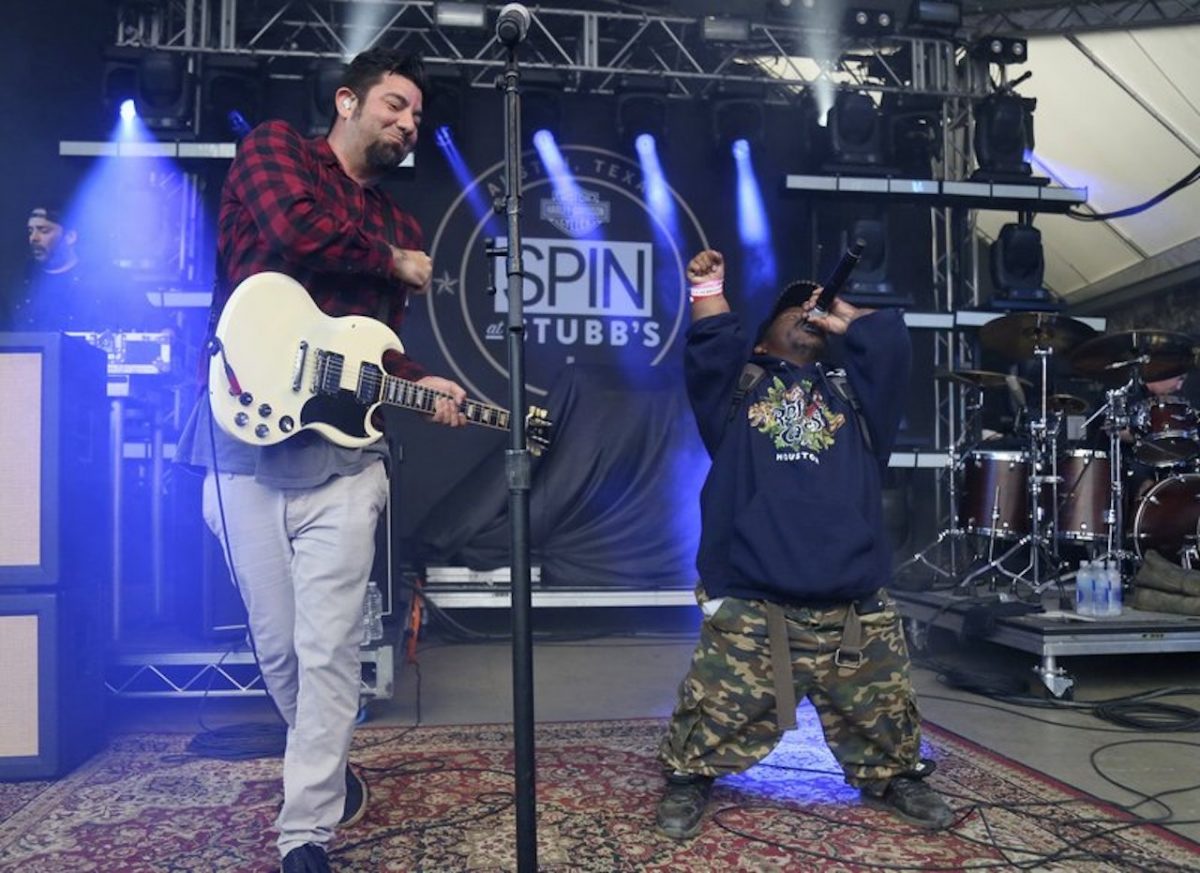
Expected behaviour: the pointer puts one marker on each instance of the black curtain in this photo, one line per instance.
(614, 503)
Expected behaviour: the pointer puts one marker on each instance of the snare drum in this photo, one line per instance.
(1166, 431)
(995, 494)
(1083, 493)
(1168, 517)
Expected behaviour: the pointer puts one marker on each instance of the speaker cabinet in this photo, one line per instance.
(55, 528)
(52, 683)
(55, 552)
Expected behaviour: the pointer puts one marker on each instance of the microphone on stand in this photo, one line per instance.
(841, 272)
(513, 24)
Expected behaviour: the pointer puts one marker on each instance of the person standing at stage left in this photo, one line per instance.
(298, 519)
(64, 292)
(53, 295)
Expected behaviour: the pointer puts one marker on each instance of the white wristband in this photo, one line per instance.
(707, 289)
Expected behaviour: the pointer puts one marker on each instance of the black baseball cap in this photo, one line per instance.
(49, 213)
(795, 294)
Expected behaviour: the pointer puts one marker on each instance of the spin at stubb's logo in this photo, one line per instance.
(604, 278)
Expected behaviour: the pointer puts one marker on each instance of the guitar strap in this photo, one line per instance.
(384, 309)
(220, 295)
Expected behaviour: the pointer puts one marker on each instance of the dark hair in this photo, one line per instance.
(368, 69)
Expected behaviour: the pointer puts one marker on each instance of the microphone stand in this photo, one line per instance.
(517, 465)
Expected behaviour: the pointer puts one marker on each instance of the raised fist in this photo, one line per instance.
(707, 266)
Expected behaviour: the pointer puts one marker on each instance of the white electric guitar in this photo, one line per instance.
(282, 366)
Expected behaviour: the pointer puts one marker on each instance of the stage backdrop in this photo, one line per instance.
(605, 284)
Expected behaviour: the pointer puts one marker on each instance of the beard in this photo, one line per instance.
(383, 157)
(801, 345)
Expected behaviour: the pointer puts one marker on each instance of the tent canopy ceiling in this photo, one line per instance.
(1118, 113)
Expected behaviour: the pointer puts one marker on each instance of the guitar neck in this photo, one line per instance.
(409, 395)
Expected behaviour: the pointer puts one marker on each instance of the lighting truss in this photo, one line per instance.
(592, 47)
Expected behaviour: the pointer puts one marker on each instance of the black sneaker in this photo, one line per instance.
(309, 858)
(682, 806)
(356, 798)
(913, 801)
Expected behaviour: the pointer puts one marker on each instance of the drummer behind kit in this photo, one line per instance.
(1049, 495)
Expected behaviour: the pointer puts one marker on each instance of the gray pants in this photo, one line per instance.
(302, 558)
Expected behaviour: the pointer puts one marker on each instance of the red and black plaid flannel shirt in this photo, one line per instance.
(288, 206)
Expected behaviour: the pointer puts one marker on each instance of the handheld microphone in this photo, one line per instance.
(841, 272)
(513, 24)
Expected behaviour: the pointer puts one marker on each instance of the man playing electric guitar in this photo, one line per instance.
(298, 518)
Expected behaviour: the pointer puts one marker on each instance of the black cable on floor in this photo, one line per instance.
(240, 742)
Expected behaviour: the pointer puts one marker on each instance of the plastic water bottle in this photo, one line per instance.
(1085, 589)
(372, 620)
(1115, 596)
(1100, 588)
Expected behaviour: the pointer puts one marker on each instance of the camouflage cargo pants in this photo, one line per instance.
(725, 718)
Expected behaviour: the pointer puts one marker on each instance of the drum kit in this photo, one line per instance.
(1046, 495)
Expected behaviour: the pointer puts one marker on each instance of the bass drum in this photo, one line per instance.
(1167, 520)
(995, 494)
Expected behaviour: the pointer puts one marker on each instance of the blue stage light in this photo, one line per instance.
(128, 110)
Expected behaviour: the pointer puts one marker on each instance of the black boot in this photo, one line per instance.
(910, 799)
(682, 805)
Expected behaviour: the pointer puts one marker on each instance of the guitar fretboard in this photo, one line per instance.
(375, 386)
(400, 392)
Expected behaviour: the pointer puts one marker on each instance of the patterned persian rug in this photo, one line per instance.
(442, 802)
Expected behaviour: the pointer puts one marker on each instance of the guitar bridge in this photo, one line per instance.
(298, 365)
(327, 374)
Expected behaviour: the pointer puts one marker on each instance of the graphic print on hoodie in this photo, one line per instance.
(797, 419)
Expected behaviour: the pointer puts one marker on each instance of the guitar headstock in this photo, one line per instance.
(538, 430)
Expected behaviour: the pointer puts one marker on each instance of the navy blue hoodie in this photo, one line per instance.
(791, 509)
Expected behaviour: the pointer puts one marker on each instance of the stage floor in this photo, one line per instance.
(1050, 634)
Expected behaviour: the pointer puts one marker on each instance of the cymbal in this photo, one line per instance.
(1154, 354)
(1068, 404)
(981, 378)
(1019, 335)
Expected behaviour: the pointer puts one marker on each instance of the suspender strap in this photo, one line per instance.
(842, 386)
(781, 667)
(750, 376)
(849, 653)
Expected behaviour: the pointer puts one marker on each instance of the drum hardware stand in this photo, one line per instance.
(954, 533)
(1043, 444)
(1116, 420)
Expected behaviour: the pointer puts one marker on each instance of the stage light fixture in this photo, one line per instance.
(1002, 50)
(165, 95)
(232, 97)
(1004, 137)
(738, 111)
(466, 15)
(914, 125)
(639, 113)
(1018, 266)
(855, 132)
(541, 109)
(321, 82)
(870, 276)
(119, 85)
(721, 28)
(868, 22)
(642, 108)
(935, 15)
